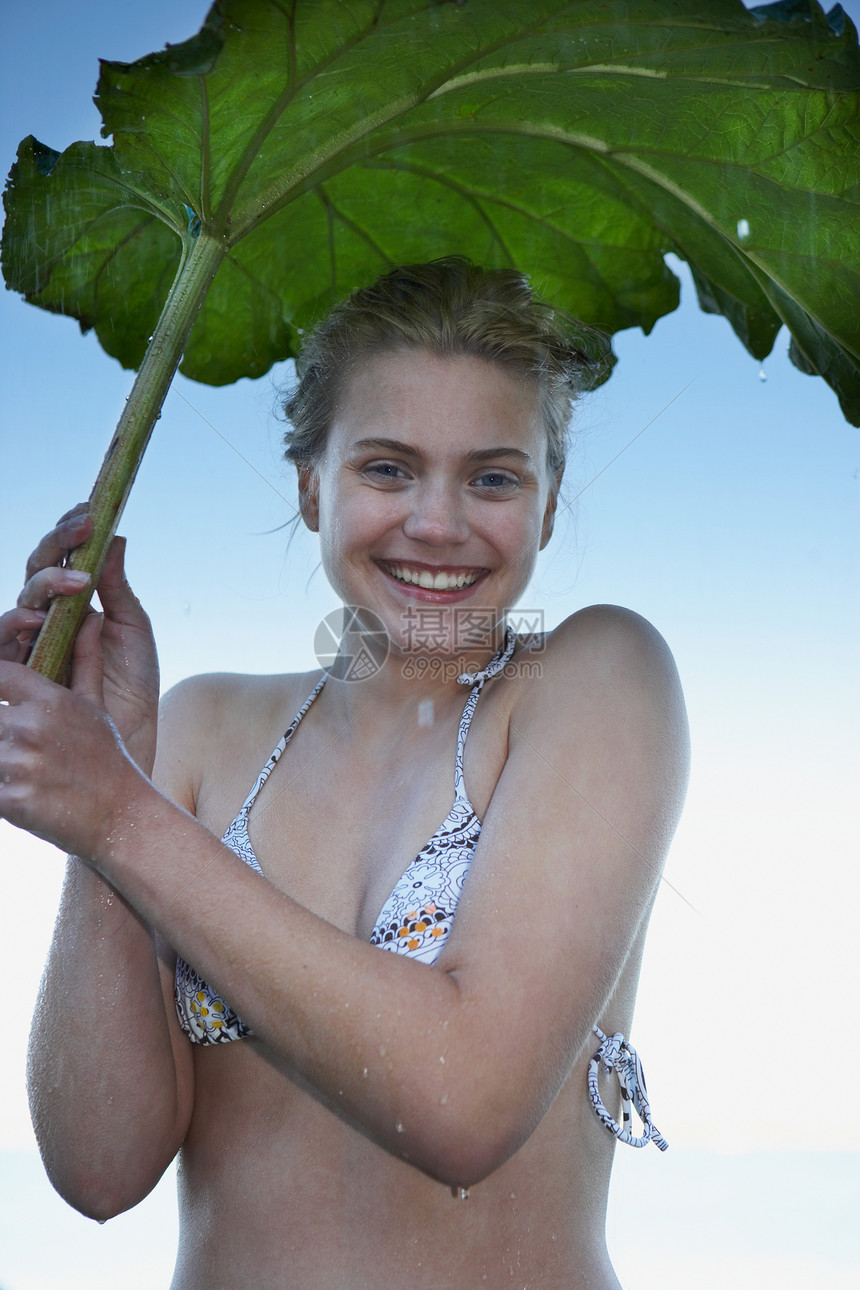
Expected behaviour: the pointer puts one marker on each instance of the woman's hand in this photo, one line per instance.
(122, 652)
(65, 775)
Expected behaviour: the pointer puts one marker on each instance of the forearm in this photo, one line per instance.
(332, 1009)
(105, 1092)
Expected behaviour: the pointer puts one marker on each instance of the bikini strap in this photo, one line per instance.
(276, 754)
(476, 680)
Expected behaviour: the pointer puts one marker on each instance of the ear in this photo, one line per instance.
(549, 513)
(309, 487)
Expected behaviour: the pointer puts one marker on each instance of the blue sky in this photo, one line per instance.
(729, 519)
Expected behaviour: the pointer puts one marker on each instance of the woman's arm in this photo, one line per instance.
(570, 854)
(108, 1073)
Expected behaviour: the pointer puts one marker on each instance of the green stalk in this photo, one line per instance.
(53, 649)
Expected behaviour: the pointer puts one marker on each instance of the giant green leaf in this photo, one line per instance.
(291, 150)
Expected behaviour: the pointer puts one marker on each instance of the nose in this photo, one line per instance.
(436, 514)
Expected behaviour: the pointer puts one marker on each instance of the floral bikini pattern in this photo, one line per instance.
(417, 916)
(407, 924)
(416, 920)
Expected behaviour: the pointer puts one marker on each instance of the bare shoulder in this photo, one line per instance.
(603, 686)
(601, 646)
(202, 715)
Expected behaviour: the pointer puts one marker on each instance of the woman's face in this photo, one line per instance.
(433, 496)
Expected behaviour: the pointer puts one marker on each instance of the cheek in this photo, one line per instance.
(354, 524)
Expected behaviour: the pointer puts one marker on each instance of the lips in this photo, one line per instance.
(432, 579)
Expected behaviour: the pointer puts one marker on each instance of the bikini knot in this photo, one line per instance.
(496, 663)
(615, 1054)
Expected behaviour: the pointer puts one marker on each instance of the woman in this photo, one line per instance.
(347, 1117)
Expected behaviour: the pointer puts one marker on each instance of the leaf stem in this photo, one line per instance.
(200, 261)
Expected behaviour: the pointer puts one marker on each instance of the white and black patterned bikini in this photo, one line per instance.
(415, 919)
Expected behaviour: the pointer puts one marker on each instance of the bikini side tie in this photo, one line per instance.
(615, 1054)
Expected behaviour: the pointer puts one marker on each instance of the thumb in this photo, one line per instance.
(87, 661)
(116, 596)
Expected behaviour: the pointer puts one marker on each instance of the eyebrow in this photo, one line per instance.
(478, 456)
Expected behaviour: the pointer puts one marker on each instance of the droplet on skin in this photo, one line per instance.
(364, 1073)
(399, 1127)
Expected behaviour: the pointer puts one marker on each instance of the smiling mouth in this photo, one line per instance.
(432, 580)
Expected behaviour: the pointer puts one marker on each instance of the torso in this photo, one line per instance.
(276, 1191)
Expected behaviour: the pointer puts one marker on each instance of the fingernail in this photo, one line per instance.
(77, 577)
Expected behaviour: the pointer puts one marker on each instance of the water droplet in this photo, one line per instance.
(762, 375)
(399, 1127)
(743, 228)
(364, 1073)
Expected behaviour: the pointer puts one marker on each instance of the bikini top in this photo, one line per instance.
(415, 919)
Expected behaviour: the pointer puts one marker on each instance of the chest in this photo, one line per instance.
(336, 825)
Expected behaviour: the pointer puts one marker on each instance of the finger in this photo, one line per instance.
(19, 684)
(18, 626)
(72, 530)
(117, 598)
(87, 679)
(45, 585)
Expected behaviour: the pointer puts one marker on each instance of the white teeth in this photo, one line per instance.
(430, 581)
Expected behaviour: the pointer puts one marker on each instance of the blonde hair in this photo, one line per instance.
(447, 307)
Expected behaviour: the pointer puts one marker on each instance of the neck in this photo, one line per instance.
(412, 686)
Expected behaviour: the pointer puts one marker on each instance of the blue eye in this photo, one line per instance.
(384, 470)
(496, 481)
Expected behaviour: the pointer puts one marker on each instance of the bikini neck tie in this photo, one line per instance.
(615, 1054)
(496, 663)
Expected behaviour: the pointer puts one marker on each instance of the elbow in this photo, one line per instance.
(465, 1163)
(464, 1149)
(95, 1195)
